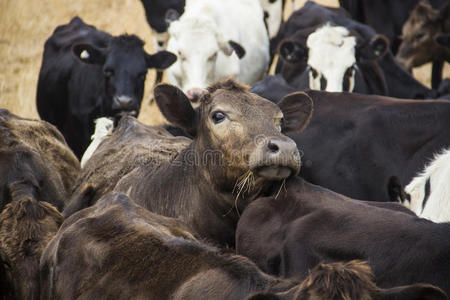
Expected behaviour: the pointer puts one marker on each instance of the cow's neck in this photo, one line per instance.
(186, 189)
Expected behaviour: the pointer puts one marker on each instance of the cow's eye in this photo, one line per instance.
(212, 57)
(218, 117)
(108, 72)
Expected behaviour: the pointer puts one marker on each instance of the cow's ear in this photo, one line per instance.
(240, 51)
(89, 54)
(292, 51)
(443, 40)
(160, 60)
(376, 48)
(418, 291)
(176, 107)
(79, 201)
(297, 110)
(171, 15)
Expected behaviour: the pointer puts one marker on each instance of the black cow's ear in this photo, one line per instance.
(297, 110)
(160, 60)
(240, 51)
(418, 291)
(292, 51)
(176, 107)
(89, 54)
(443, 40)
(376, 48)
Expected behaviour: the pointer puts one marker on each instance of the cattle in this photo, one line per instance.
(34, 151)
(8, 287)
(365, 65)
(159, 14)
(117, 249)
(238, 152)
(355, 143)
(131, 145)
(395, 14)
(425, 38)
(26, 226)
(214, 40)
(428, 194)
(307, 224)
(273, 15)
(86, 74)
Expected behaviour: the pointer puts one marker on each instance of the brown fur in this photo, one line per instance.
(43, 138)
(117, 249)
(419, 35)
(131, 145)
(26, 226)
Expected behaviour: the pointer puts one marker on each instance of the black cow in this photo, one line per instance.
(394, 15)
(159, 14)
(370, 69)
(354, 143)
(308, 224)
(87, 73)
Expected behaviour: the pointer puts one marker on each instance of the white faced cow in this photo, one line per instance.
(218, 39)
(273, 15)
(429, 192)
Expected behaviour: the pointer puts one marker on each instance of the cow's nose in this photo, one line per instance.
(194, 94)
(122, 102)
(277, 146)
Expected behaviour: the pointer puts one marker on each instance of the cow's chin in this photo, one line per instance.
(118, 115)
(273, 172)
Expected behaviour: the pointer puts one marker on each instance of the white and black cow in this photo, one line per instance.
(218, 39)
(322, 48)
(86, 74)
(428, 194)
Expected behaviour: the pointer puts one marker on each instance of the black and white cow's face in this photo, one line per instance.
(331, 55)
(124, 64)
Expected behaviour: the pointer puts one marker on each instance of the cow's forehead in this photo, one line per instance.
(244, 103)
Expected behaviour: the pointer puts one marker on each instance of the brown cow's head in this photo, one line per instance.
(238, 136)
(422, 36)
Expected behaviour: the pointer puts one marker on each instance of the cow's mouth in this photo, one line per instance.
(119, 114)
(273, 172)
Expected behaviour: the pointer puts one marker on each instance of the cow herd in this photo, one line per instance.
(327, 180)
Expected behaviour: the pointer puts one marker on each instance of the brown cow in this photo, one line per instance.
(131, 145)
(237, 153)
(35, 151)
(26, 226)
(119, 250)
(426, 38)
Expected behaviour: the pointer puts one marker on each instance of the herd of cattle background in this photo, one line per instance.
(328, 179)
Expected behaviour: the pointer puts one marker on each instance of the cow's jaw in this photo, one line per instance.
(331, 54)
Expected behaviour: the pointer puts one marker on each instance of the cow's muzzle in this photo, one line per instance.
(275, 158)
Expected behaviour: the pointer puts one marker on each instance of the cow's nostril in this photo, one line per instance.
(273, 147)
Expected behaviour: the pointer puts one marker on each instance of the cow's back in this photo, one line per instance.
(354, 143)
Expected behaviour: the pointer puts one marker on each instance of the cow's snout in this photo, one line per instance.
(275, 158)
(122, 103)
(194, 94)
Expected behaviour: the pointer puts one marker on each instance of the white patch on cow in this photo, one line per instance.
(84, 54)
(437, 207)
(275, 15)
(331, 53)
(200, 40)
(103, 129)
